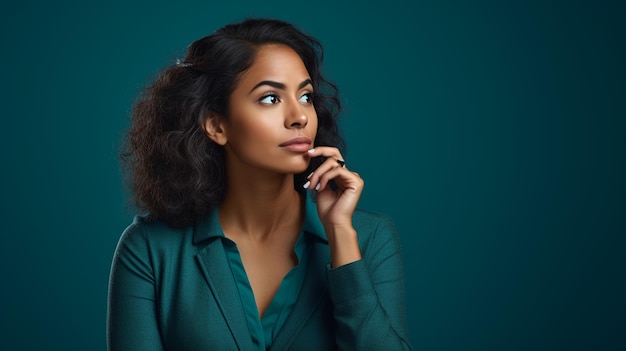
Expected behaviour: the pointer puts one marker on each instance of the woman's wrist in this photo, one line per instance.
(344, 245)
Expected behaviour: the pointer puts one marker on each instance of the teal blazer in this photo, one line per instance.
(172, 289)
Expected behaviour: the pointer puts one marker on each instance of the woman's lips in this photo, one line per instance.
(299, 144)
(297, 147)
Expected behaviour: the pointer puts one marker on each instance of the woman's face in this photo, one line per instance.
(272, 121)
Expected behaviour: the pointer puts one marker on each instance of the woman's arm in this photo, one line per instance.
(367, 276)
(368, 295)
(131, 317)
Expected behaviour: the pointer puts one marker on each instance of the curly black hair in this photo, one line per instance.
(176, 172)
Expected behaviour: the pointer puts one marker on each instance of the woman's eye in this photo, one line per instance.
(269, 99)
(306, 98)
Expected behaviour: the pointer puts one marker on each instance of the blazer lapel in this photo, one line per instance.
(311, 295)
(220, 279)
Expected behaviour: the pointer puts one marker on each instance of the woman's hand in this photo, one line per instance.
(336, 208)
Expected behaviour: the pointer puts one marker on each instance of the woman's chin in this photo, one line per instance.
(299, 166)
(298, 170)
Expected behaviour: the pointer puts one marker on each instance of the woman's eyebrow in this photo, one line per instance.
(271, 83)
(305, 83)
(280, 86)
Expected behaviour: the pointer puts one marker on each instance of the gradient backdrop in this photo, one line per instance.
(493, 132)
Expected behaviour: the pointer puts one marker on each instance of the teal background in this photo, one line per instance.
(493, 132)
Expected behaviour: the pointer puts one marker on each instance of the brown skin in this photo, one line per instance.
(261, 211)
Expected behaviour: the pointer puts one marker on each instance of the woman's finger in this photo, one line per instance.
(342, 177)
(326, 151)
(333, 156)
(314, 178)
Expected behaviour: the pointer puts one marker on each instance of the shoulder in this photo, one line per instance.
(146, 237)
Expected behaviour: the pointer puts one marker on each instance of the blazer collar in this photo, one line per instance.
(209, 227)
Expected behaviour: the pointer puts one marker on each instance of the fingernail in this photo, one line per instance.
(311, 151)
(309, 176)
(318, 186)
(306, 185)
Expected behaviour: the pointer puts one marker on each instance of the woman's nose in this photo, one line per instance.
(296, 116)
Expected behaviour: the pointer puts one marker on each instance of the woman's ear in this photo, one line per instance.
(214, 128)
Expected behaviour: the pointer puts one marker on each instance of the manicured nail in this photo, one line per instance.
(311, 151)
(306, 185)
(318, 186)
(309, 176)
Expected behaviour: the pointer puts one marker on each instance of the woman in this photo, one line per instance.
(226, 149)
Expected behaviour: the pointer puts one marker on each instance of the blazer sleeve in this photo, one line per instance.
(131, 316)
(368, 295)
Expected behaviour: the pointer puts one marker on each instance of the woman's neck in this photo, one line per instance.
(258, 206)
